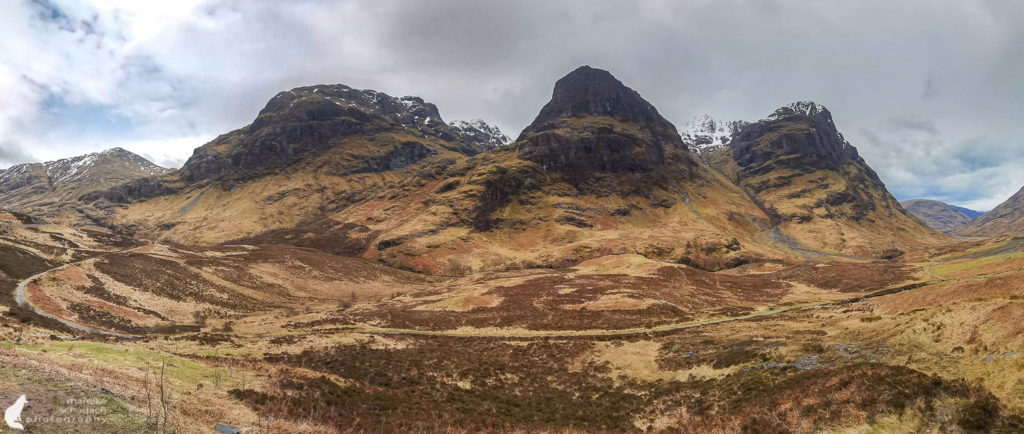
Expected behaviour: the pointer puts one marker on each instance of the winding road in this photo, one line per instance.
(21, 297)
(928, 269)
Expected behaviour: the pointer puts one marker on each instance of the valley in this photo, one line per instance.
(936, 349)
(351, 262)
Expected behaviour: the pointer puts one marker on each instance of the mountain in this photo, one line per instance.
(599, 171)
(479, 132)
(359, 173)
(594, 123)
(1005, 219)
(315, 120)
(52, 189)
(705, 134)
(970, 213)
(940, 216)
(798, 166)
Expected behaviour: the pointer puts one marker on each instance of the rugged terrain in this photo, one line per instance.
(705, 134)
(1005, 219)
(598, 172)
(940, 216)
(281, 338)
(351, 262)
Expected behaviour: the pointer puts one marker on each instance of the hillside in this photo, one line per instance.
(798, 166)
(363, 174)
(940, 216)
(52, 189)
(1005, 219)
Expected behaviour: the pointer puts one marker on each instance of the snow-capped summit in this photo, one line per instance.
(481, 132)
(42, 189)
(808, 108)
(79, 167)
(705, 133)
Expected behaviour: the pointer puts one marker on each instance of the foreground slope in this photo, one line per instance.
(940, 355)
(1005, 219)
(821, 193)
(940, 216)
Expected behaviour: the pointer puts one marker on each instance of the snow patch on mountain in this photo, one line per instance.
(808, 108)
(705, 133)
(69, 170)
(481, 132)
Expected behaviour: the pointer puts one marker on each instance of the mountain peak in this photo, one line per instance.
(940, 216)
(801, 108)
(1005, 219)
(594, 123)
(588, 91)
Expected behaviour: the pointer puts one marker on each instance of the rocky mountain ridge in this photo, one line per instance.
(319, 118)
(478, 131)
(594, 123)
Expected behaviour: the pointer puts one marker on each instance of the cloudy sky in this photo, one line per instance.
(931, 92)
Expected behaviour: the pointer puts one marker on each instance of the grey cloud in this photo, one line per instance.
(928, 91)
(11, 154)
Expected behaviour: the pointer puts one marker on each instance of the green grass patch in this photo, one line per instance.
(102, 354)
(955, 267)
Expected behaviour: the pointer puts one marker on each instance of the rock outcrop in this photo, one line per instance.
(318, 118)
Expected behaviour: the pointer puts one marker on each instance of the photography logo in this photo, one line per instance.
(13, 414)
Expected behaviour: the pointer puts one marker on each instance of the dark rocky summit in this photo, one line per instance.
(799, 166)
(316, 118)
(594, 123)
(803, 132)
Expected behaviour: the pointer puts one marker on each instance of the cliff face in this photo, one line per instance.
(598, 172)
(815, 185)
(359, 173)
(594, 123)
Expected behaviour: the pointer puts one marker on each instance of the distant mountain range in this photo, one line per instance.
(941, 216)
(706, 134)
